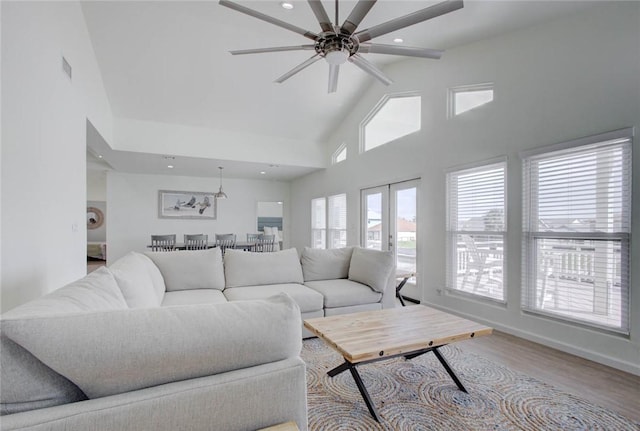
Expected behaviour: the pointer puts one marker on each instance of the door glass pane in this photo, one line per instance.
(405, 230)
(373, 238)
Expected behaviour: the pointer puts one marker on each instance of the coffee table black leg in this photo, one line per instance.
(339, 369)
(446, 366)
(364, 393)
(359, 383)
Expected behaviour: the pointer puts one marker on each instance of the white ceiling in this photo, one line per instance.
(168, 61)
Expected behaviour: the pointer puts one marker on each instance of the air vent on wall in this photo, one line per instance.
(66, 67)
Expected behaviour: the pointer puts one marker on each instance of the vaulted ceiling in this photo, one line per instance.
(168, 62)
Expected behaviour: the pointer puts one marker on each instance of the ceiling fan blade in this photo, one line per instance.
(275, 21)
(356, 16)
(321, 15)
(274, 49)
(298, 68)
(334, 70)
(370, 68)
(375, 48)
(408, 20)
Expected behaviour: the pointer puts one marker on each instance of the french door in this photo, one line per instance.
(389, 221)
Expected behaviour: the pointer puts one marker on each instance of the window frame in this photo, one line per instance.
(452, 259)
(531, 235)
(337, 152)
(321, 230)
(451, 96)
(376, 109)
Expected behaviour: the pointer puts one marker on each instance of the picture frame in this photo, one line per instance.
(174, 204)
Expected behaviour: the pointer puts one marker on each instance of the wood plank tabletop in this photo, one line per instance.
(373, 334)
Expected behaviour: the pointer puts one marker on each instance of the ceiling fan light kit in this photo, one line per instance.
(338, 44)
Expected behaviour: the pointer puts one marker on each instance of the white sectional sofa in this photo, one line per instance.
(179, 340)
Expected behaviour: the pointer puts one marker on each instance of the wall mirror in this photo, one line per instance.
(270, 214)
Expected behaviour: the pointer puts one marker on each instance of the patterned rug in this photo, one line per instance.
(419, 395)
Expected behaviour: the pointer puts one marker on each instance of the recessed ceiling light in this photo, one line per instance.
(262, 172)
(170, 166)
(398, 40)
(286, 5)
(99, 156)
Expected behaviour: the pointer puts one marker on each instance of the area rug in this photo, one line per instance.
(419, 395)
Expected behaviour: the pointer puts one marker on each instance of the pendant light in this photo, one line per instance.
(220, 194)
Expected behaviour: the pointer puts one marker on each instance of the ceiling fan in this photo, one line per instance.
(338, 44)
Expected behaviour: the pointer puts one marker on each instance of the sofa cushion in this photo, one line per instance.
(307, 299)
(156, 276)
(344, 293)
(190, 269)
(196, 296)
(96, 291)
(325, 264)
(135, 281)
(371, 267)
(28, 384)
(114, 352)
(243, 268)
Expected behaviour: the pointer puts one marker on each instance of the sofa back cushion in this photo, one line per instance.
(371, 267)
(243, 268)
(26, 382)
(108, 353)
(97, 291)
(325, 264)
(190, 269)
(133, 273)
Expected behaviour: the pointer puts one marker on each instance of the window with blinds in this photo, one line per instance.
(318, 223)
(476, 229)
(577, 224)
(337, 221)
(329, 222)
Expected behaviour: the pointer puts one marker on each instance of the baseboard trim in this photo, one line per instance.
(618, 364)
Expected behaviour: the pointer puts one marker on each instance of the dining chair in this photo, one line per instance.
(163, 242)
(225, 240)
(253, 237)
(265, 243)
(196, 241)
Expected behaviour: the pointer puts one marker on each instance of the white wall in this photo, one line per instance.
(562, 80)
(43, 145)
(96, 185)
(132, 209)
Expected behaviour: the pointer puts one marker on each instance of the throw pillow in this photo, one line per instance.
(371, 267)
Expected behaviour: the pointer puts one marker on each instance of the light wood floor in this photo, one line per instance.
(602, 385)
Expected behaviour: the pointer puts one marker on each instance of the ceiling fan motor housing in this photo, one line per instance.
(336, 48)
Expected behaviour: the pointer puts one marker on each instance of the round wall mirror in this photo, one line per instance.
(95, 218)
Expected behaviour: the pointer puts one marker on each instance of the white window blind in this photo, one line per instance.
(318, 223)
(337, 221)
(577, 224)
(476, 227)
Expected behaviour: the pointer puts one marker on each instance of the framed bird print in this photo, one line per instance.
(186, 205)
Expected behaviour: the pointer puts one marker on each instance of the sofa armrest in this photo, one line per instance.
(249, 398)
(389, 295)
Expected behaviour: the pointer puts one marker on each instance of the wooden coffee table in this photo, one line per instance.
(371, 336)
